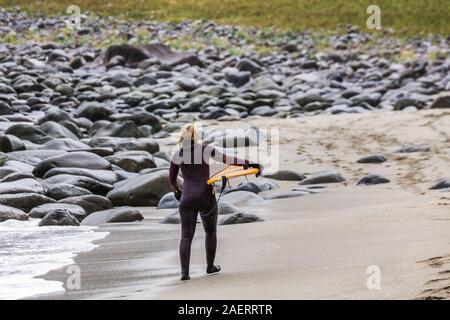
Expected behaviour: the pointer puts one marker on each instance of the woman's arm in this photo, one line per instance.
(173, 174)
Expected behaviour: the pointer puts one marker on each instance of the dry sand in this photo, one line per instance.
(311, 247)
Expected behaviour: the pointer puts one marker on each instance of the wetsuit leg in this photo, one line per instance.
(209, 220)
(188, 219)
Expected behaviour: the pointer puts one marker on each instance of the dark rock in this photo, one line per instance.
(28, 132)
(372, 179)
(239, 218)
(126, 144)
(441, 184)
(287, 175)
(236, 77)
(116, 215)
(94, 111)
(90, 203)
(9, 143)
(121, 129)
(132, 161)
(59, 218)
(372, 159)
(323, 177)
(64, 190)
(411, 149)
(247, 186)
(133, 55)
(248, 65)
(24, 201)
(441, 102)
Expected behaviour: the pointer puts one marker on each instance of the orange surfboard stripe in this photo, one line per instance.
(232, 172)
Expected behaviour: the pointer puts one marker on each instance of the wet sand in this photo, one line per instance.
(311, 247)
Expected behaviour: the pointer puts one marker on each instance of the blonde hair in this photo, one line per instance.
(188, 132)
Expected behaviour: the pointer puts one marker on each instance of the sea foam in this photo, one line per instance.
(27, 251)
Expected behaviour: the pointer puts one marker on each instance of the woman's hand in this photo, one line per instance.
(177, 194)
(257, 166)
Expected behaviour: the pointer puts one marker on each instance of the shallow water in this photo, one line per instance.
(27, 251)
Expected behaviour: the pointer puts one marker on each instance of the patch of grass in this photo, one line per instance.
(411, 17)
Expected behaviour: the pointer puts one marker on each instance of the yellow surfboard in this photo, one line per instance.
(232, 172)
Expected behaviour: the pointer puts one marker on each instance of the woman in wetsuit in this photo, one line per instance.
(196, 195)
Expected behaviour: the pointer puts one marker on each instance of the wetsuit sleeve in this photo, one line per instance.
(173, 174)
(227, 159)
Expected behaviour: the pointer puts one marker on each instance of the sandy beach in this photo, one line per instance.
(317, 246)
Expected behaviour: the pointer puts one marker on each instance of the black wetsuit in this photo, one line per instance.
(197, 196)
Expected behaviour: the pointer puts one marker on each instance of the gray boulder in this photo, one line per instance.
(14, 176)
(143, 190)
(65, 144)
(57, 131)
(94, 111)
(10, 143)
(168, 201)
(34, 157)
(84, 182)
(226, 208)
(132, 161)
(60, 191)
(104, 176)
(80, 159)
(173, 218)
(42, 210)
(7, 213)
(122, 214)
(59, 217)
(121, 129)
(90, 203)
(126, 144)
(323, 177)
(242, 198)
(24, 201)
(22, 186)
